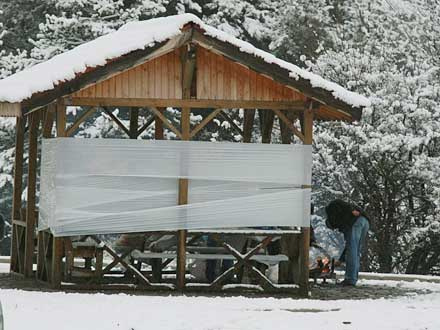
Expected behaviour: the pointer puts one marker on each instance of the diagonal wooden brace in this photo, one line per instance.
(119, 259)
(242, 260)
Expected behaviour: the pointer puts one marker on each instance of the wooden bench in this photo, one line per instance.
(88, 250)
(244, 260)
(263, 258)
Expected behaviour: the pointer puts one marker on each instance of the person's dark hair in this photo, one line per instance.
(339, 215)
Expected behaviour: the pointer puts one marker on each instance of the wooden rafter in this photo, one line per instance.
(204, 122)
(117, 121)
(165, 121)
(289, 124)
(83, 117)
(231, 121)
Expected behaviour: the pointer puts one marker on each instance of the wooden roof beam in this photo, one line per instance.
(298, 106)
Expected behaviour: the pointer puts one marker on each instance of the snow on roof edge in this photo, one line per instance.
(139, 35)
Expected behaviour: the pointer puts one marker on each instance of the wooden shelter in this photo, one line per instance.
(192, 69)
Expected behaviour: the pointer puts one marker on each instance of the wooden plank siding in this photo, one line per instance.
(219, 78)
(158, 78)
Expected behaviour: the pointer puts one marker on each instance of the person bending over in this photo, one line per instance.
(354, 224)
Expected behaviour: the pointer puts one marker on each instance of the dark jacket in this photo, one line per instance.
(340, 216)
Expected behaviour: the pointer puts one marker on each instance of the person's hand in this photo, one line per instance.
(356, 213)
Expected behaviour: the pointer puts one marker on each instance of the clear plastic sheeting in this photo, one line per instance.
(98, 186)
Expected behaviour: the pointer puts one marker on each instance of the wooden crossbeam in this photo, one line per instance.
(117, 121)
(246, 105)
(166, 122)
(231, 121)
(83, 117)
(289, 124)
(204, 122)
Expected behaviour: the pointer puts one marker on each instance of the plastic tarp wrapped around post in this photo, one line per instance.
(98, 186)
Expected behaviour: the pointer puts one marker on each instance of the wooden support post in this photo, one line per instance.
(188, 61)
(17, 191)
(156, 264)
(31, 216)
(305, 231)
(49, 118)
(288, 271)
(183, 199)
(42, 272)
(266, 125)
(248, 124)
(58, 242)
(134, 118)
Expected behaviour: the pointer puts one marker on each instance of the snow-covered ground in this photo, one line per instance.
(47, 311)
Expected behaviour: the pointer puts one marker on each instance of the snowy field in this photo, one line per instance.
(73, 311)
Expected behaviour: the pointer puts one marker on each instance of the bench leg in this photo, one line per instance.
(156, 266)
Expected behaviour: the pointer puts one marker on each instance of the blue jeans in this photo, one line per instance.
(354, 242)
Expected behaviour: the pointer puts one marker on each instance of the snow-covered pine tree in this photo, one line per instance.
(386, 162)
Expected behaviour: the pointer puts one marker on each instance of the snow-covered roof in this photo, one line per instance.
(136, 36)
